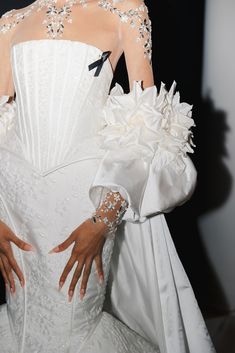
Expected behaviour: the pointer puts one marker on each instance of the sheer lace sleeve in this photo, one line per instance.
(7, 104)
(6, 83)
(136, 39)
(135, 35)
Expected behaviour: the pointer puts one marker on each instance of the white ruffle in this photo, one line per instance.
(7, 116)
(147, 137)
(147, 120)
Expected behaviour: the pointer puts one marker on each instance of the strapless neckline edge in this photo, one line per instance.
(77, 42)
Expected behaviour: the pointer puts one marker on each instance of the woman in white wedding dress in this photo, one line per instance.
(85, 177)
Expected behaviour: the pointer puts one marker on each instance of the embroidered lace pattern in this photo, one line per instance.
(111, 211)
(54, 20)
(137, 18)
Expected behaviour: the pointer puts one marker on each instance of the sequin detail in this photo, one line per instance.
(137, 18)
(111, 212)
(55, 16)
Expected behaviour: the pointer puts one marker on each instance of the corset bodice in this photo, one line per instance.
(59, 100)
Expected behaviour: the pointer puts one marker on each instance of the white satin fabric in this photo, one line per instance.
(50, 162)
(146, 136)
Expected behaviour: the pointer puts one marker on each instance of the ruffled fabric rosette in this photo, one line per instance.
(147, 121)
(147, 137)
(7, 116)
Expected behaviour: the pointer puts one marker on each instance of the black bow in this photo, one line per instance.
(99, 63)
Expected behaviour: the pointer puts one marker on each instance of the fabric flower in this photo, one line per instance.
(147, 120)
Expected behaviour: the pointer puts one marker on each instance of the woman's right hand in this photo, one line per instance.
(7, 260)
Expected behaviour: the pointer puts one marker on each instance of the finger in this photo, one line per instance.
(66, 271)
(14, 266)
(21, 244)
(76, 276)
(99, 267)
(63, 246)
(85, 277)
(4, 275)
(9, 273)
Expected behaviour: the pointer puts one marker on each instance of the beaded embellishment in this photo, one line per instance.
(137, 18)
(111, 211)
(54, 16)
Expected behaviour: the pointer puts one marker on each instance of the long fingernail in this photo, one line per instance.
(60, 285)
(54, 250)
(82, 293)
(22, 283)
(12, 290)
(70, 295)
(29, 247)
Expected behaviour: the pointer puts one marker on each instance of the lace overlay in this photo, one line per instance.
(55, 18)
(137, 18)
(40, 308)
(121, 342)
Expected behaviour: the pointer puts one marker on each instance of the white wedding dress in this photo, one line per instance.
(53, 171)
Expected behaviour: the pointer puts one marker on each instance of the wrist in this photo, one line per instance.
(110, 212)
(100, 226)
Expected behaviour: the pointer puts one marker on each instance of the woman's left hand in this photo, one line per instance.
(89, 240)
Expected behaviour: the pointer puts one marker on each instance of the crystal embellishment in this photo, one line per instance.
(55, 16)
(112, 202)
(55, 20)
(137, 18)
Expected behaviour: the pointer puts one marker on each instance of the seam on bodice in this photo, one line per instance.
(59, 102)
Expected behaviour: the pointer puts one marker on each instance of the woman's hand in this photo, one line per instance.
(88, 239)
(7, 260)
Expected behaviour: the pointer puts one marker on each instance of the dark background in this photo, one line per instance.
(178, 32)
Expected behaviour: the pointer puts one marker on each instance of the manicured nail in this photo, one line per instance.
(70, 295)
(54, 250)
(12, 290)
(60, 285)
(29, 247)
(82, 293)
(22, 283)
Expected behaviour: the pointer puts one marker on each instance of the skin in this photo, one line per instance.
(88, 239)
(8, 262)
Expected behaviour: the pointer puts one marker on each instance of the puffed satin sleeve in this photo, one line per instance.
(146, 136)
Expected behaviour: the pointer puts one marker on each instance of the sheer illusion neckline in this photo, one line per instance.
(77, 42)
